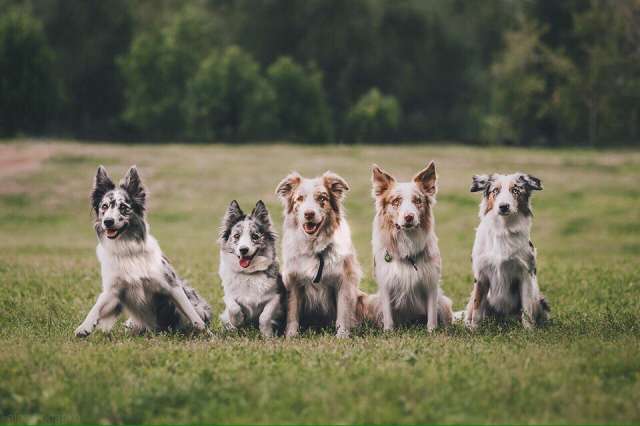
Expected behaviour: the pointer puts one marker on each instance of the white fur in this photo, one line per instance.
(502, 255)
(132, 273)
(250, 295)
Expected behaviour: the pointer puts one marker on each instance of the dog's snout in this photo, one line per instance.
(504, 208)
(108, 222)
(309, 214)
(408, 218)
(244, 250)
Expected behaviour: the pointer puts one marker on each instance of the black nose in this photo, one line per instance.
(504, 208)
(108, 222)
(408, 218)
(244, 250)
(309, 215)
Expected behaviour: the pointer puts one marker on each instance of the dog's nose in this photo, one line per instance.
(309, 214)
(504, 208)
(408, 218)
(244, 250)
(108, 222)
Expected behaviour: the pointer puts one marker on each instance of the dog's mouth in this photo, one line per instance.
(245, 261)
(405, 226)
(112, 233)
(311, 228)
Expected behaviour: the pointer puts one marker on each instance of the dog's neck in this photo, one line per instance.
(407, 244)
(516, 226)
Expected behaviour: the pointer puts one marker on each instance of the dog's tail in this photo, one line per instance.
(367, 308)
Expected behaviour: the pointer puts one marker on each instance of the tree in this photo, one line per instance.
(374, 118)
(229, 100)
(28, 90)
(301, 107)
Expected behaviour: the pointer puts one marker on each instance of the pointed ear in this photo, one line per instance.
(336, 185)
(132, 183)
(261, 214)
(381, 181)
(427, 179)
(102, 184)
(479, 183)
(233, 215)
(285, 188)
(532, 183)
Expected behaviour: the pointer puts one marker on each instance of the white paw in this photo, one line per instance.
(82, 331)
(292, 330)
(342, 333)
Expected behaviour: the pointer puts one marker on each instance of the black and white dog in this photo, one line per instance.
(253, 289)
(504, 258)
(136, 276)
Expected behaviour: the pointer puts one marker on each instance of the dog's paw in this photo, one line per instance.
(431, 329)
(82, 331)
(292, 331)
(342, 333)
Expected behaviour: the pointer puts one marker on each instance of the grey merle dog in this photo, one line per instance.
(253, 289)
(136, 277)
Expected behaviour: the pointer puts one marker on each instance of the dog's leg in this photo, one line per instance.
(232, 317)
(479, 307)
(385, 305)
(530, 302)
(346, 309)
(432, 309)
(266, 320)
(184, 304)
(133, 327)
(293, 309)
(104, 307)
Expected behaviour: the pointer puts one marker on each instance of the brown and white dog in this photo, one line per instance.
(504, 258)
(406, 257)
(320, 270)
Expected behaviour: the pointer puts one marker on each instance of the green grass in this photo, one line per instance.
(582, 368)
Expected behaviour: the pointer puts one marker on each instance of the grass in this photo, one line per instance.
(583, 368)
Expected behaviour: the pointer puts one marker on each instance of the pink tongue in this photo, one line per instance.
(244, 262)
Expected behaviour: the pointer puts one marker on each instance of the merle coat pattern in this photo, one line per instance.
(136, 276)
(253, 289)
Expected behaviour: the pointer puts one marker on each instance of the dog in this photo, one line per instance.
(253, 288)
(320, 269)
(504, 258)
(136, 277)
(406, 257)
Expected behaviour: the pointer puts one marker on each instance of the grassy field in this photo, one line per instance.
(583, 368)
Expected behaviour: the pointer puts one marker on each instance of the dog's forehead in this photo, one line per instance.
(246, 225)
(117, 195)
(310, 186)
(406, 189)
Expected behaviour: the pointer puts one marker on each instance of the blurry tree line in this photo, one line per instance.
(523, 72)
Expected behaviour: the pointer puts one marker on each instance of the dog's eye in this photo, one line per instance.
(105, 206)
(515, 191)
(300, 198)
(322, 199)
(396, 202)
(495, 191)
(417, 201)
(255, 237)
(236, 236)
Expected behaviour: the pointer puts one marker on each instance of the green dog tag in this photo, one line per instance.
(387, 257)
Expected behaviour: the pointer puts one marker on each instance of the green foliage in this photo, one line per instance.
(374, 118)
(229, 100)
(301, 108)
(156, 71)
(28, 91)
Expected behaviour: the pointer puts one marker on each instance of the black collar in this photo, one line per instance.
(320, 257)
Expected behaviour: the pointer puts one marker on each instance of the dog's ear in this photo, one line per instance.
(233, 215)
(380, 180)
(427, 179)
(532, 183)
(285, 188)
(102, 184)
(335, 184)
(479, 183)
(261, 214)
(132, 183)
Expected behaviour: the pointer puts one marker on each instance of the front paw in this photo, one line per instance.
(82, 331)
(343, 333)
(431, 329)
(292, 330)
